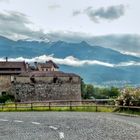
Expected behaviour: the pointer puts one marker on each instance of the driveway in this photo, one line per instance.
(68, 126)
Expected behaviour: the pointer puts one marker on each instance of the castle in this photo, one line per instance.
(38, 82)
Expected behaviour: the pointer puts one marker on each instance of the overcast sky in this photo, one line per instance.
(71, 20)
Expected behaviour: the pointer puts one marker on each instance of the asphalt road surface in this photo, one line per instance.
(68, 126)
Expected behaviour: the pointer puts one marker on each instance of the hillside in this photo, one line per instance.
(118, 74)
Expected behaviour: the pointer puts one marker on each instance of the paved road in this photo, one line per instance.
(68, 126)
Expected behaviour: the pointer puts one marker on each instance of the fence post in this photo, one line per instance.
(15, 106)
(70, 105)
(49, 106)
(96, 108)
(31, 106)
(2, 106)
(128, 108)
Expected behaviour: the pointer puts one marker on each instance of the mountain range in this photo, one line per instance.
(99, 65)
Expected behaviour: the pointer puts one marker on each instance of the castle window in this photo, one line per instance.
(55, 79)
(3, 93)
(70, 79)
(32, 78)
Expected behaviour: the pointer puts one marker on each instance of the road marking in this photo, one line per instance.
(61, 135)
(17, 121)
(4, 120)
(53, 127)
(35, 123)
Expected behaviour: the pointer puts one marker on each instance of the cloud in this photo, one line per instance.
(4, 0)
(72, 61)
(15, 25)
(76, 12)
(124, 43)
(125, 64)
(67, 36)
(110, 13)
(130, 53)
(54, 7)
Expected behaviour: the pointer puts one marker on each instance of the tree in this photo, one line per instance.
(89, 91)
(83, 89)
(114, 92)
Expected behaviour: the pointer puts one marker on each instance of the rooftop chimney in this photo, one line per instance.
(35, 63)
(27, 66)
(6, 59)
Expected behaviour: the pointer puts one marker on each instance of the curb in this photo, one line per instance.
(125, 114)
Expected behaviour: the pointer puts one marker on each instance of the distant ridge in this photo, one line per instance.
(83, 51)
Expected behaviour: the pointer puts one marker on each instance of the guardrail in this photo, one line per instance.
(70, 104)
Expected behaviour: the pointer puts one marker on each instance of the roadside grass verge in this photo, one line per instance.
(56, 108)
(12, 107)
(129, 112)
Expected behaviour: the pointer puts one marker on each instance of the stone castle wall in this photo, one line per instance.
(23, 79)
(44, 88)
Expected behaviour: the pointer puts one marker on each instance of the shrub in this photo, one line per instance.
(129, 97)
(5, 98)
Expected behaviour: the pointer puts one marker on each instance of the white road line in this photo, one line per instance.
(35, 123)
(4, 120)
(17, 121)
(61, 135)
(53, 127)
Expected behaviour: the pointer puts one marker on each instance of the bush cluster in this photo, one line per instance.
(91, 92)
(129, 97)
(6, 98)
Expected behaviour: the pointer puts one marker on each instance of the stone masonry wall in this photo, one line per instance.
(46, 79)
(42, 91)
